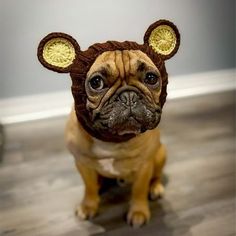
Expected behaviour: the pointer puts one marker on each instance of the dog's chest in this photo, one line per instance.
(113, 158)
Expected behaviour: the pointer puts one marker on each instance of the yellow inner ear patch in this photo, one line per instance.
(163, 39)
(59, 52)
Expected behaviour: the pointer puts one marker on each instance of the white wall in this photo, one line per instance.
(207, 28)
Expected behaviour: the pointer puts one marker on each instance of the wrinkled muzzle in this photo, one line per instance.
(127, 112)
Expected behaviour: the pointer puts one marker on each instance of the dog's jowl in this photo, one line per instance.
(119, 90)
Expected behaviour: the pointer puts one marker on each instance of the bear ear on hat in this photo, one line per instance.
(57, 52)
(164, 38)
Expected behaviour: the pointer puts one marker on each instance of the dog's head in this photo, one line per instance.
(119, 88)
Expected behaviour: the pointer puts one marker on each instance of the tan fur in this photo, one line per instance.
(122, 67)
(139, 160)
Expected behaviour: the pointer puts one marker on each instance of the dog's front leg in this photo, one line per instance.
(89, 205)
(139, 212)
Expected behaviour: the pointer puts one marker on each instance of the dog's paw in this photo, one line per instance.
(157, 190)
(138, 216)
(86, 212)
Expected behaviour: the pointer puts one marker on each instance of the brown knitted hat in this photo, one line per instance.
(61, 53)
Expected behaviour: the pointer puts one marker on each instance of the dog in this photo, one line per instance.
(119, 90)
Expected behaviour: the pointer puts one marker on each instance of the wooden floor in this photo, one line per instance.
(39, 186)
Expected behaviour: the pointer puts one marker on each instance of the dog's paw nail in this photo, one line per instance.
(80, 213)
(156, 192)
(137, 219)
(85, 212)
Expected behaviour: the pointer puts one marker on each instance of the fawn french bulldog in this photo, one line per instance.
(119, 89)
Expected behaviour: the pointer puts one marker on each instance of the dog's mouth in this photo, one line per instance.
(130, 126)
(127, 122)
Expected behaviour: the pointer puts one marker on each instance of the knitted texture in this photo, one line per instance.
(163, 36)
(61, 53)
(57, 51)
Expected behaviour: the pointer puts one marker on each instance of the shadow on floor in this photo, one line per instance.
(164, 220)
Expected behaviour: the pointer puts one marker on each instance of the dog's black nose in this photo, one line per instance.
(129, 98)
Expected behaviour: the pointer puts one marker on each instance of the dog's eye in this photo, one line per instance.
(151, 79)
(96, 82)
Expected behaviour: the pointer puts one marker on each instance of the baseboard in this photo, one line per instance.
(201, 83)
(44, 106)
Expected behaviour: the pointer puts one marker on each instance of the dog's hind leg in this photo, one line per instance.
(156, 187)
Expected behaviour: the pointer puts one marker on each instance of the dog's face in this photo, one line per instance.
(119, 88)
(123, 90)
